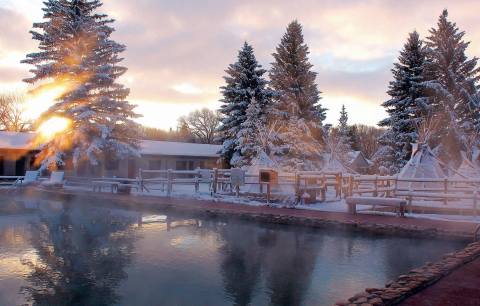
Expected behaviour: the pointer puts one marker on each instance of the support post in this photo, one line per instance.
(215, 180)
(475, 202)
(350, 186)
(339, 184)
(395, 186)
(268, 193)
(388, 188)
(445, 191)
(297, 186)
(197, 180)
(169, 182)
(375, 192)
(323, 192)
(140, 178)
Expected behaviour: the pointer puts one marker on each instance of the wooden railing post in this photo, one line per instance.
(388, 188)
(375, 191)
(350, 185)
(395, 185)
(140, 178)
(475, 202)
(169, 182)
(197, 180)
(268, 192)
(215, 180)
(445, 191)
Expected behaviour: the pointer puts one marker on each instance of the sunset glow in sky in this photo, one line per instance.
(177, 51)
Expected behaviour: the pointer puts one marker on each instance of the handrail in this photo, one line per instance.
(476, 236)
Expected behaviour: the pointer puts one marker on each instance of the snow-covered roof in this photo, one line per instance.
(24, 141)
(16, 141)
(167, 148)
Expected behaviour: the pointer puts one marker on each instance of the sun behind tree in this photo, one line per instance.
(77, 54)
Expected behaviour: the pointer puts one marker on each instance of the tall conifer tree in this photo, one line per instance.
(244, 83)
(78, 56)
(297, 105)
(406, 108)
(343, 122)
(452, 81)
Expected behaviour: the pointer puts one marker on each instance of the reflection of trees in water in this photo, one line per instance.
(289, 265)
(286, 258)
(241, 261)
(82, 252)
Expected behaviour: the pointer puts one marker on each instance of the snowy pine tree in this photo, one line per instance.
(257, 136)
(343, 122)
(296, 147)
(297, 101)
(244, 84)
(77, 55)
(342, 133)
(451, 81)
(406, 108)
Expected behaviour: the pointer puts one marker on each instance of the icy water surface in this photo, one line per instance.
(78, 253)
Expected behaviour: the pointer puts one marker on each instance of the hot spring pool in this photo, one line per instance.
(79, 253)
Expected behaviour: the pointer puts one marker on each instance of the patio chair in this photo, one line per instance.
(30, 178)
(57, 178)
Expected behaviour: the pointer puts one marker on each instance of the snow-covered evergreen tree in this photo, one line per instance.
(256, 138)
(244, 83)
(343, 122)
(341, 134)
(77, 55)
(296, 148)
(406, 108)
(451, 78)
(298, 99)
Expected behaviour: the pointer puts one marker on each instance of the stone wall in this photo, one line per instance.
(417, 279)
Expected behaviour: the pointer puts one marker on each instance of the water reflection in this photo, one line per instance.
(75, 253)
(82, 253)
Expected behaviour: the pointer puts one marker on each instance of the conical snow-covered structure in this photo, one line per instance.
(422, 164)
(334, 164)
(467, 169)
(336, 159)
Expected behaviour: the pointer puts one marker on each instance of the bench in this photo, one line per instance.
(352, 202)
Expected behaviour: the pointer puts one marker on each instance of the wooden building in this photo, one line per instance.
(17, 155)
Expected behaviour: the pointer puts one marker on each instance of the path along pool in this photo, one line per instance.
(76, 252)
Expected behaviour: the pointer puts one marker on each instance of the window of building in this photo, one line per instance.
(112, 164)
(155, 164)
(181, 165)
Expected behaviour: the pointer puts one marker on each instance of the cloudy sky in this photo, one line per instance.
(178, 50)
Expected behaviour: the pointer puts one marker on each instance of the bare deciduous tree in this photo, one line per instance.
(202, 124)
(11, 113)
(367, 137)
